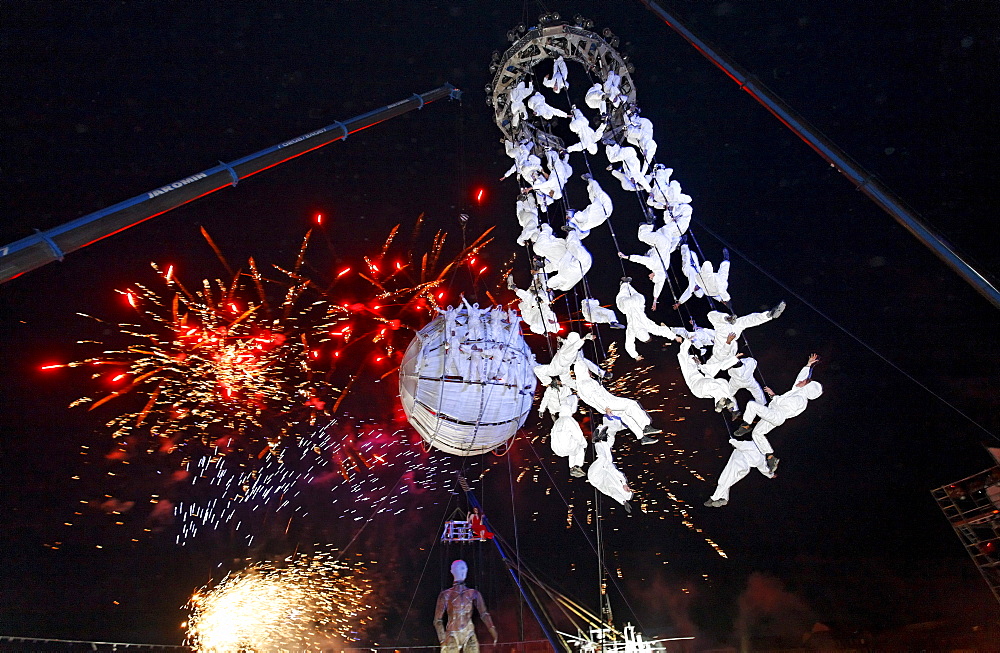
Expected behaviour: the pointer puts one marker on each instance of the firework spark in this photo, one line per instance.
(237, 386)
(215, 364)
(346, 470)
(307, 602)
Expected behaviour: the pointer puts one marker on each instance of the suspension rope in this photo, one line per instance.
(423, 571)
(586, 536)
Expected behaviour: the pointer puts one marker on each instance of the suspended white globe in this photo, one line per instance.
(467, 380)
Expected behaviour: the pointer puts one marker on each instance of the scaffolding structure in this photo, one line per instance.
(972, 505)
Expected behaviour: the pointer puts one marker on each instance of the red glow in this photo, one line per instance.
(51, 366)
(441, 295)
(118, 377)
(379, 359)
(233, 307)
(170, 273)
(399, 266)
(130, 296)
(482, 270)
(319, 218)
(480, 194)
(314, 353)
(472, 261)
(343, 272)
(336, 354)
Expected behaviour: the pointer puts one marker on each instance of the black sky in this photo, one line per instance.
(105, 100)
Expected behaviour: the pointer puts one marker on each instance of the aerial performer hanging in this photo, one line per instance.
(780, 409)
(458, 602)
(638, 326)
(592, 393)
(703, 279)
(566, 436)
(602, 473)
(702, 385)
(745, 456)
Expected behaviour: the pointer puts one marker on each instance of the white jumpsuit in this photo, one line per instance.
(594, 313)
(527, 217)
(597, 397)
(745, 457)
(526, 163)
(782, 407)
(589, 137)
(557, 81)
(700, 338)
(631, 167)
(741, 378)
(518, 95)
(550, 247)
(551, 399)
(597, 212)
(664, 240)
(574, 264)
(536, 312)
(562, 361)
(596, 99)
(566, 437)
(559, 166)
(612, 88)
(639, 132)
(603, 474)
(544, 110)
(638, 326)
(704, 387)
(722, 350)
(703, 279)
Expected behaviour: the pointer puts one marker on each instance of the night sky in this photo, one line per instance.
(106, 100)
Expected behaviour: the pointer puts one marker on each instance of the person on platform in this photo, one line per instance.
(477, 526)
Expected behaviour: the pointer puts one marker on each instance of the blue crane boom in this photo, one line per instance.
(864, 181)
(53, 244)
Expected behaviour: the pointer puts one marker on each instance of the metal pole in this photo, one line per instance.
(51, 245)
(551, 634)
(862, 179)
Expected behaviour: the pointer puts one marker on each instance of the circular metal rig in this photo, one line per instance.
(550, 40)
